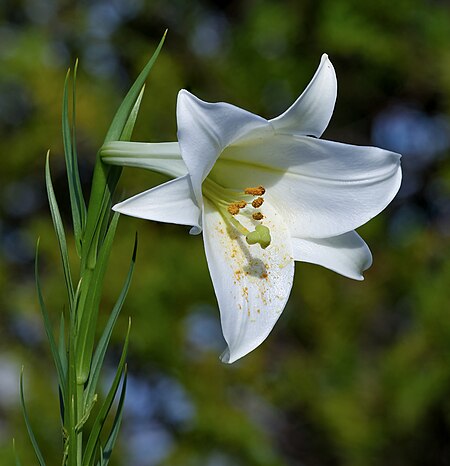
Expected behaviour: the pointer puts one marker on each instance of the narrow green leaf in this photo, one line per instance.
(73, 437)
(67, 141)
(102, 462)
(77, 203)
(48, 329)
(90, 305)
(72, 420)
(62, 353)
(100, 351)
(77, 181)
(94, 437)
(59, 229)
(120, 119)
(62, 350)
(105, 177)
(110, 443)
(16, 456)
(129, 125)
(36, 448)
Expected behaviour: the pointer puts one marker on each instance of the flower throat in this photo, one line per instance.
(231, 203)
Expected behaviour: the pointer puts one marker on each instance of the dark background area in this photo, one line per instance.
(355, 373)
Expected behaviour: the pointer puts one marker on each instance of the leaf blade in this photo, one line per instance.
(77, 204)
(120, 119)
(97, 427)
(33, 440)
(88, 319)
(112, 438)
(59, 229)
(48, 328)
(102, 345)
(107, 176)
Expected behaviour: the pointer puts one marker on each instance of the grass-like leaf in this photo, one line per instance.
(88, 320)
(59, 229)
(71, 419)
(62, 350)
(36, 448)
(73, 437)
(109, 445)
(119, 122)
(77, 203)
(16, 456)
(100, 351)
(94, 437)
(49, 331)
(106, 176)
(129, 125)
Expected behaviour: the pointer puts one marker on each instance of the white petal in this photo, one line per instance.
(161, 157)
(321, 188)
(205, 129)
(252, 284)
(171, 202)
(311, 112)
(346, 254)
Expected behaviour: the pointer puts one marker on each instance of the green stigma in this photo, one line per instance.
(261, 235)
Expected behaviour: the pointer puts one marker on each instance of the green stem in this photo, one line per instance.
(80, 414)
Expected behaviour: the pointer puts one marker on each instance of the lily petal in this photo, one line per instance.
(310, 114)
(161, 157)
(171, 202)
(252, 284)
(345, 254)
(205, 129)
(321, 188)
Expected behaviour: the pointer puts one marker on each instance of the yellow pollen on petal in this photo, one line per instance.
(258, 202)
(257, 216)
(258, 191)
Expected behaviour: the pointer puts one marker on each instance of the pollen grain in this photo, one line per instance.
(257, 216)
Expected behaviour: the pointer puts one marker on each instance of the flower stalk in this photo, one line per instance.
(78, 357)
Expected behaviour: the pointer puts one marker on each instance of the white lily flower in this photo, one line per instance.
(265, 193)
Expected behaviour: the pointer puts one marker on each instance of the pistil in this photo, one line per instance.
(229, 205)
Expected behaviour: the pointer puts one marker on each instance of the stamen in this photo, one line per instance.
(225, 200)
(234, 207)
(258, 191)
(238, 225)
(258, 202)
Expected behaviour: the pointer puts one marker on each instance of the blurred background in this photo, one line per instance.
(354, 373)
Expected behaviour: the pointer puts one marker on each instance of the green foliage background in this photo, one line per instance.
(355, 373)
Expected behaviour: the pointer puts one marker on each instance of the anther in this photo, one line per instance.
(258, 202)
(233, 209)
(257, 216)
(258, 191)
